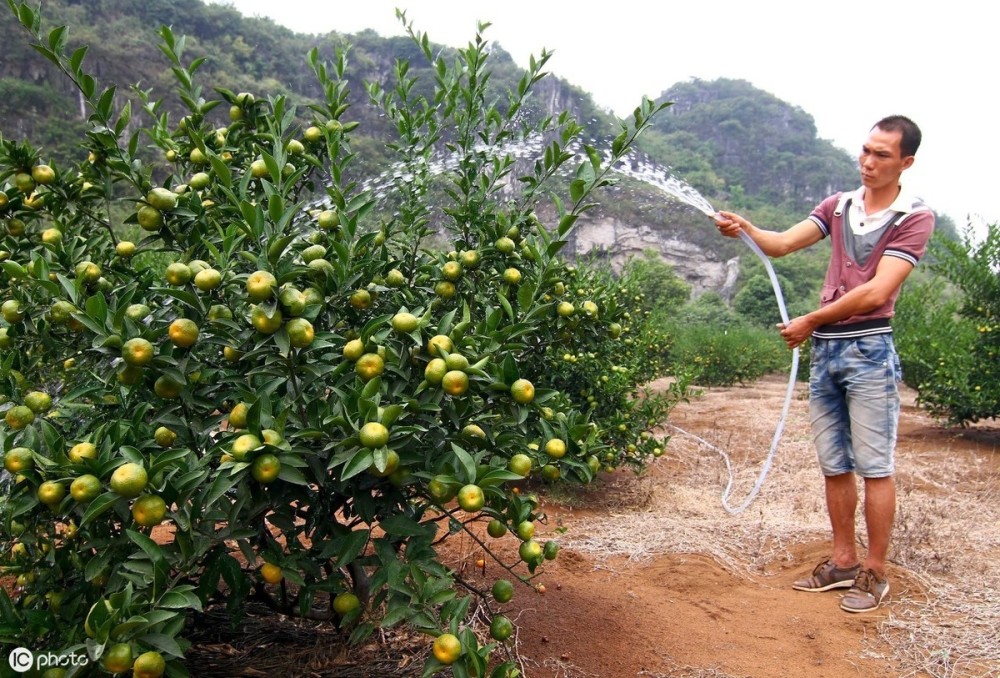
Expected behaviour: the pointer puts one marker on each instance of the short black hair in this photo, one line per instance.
(910, 142)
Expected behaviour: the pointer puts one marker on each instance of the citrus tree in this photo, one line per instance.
(234, 372)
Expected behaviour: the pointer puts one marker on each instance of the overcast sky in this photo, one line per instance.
(847, 63)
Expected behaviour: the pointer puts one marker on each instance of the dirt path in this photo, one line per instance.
(656, 579)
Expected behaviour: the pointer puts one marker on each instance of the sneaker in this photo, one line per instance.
(866, 594)
(828, 576)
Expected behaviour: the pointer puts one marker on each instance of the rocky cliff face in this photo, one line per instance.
(617, 242)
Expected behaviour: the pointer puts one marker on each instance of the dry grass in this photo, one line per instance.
(947, 538)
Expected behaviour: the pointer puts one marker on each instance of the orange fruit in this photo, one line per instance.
(149, 510)
(551, 550)
(265, 468)
(374, 435)
(530, 551)
(525, 530)
(395, 278)
(300, 332)
(137, 352)
(179, 273)
(456, 361)
(470, 258)
(440, 490)
(369, 366)
(244, 445)
(162, 199)
(447, 648)
(520, 464)
(293, 301)
(129, 480)
(452, 270)
(354, 349)
(445, 289)
(117, 658)
(502, 591)
(496, 528)
(512, 276)
(271, 573)
(82, 452)
(43, 174)
(328, 219)
(260, 285)
(345, 603)
(166, 387)
(150, 218)
(85, 488)
(523, 391)
(455, 382)
(405, 322)
(565, 309)
(19, 416)
(504, 245)
(439, 343)
(555, 448)
(183, 332)
(258, 169)
(361, 300)
(471, 498)
(12, 311)
(51, 493)
(264, 323)
(38, 401)
(435, 371)
(208, 279)
(474, 431)
(164, 437)
(18, 459)
(149, 665)
(501, 628)
(238, 415)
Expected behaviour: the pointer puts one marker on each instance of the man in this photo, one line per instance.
(878, 233)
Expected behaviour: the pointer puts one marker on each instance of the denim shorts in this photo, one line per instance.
(854, 404)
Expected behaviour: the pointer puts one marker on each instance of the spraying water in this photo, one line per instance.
(660, 177)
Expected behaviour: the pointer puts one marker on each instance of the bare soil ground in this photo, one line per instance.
(657, 579)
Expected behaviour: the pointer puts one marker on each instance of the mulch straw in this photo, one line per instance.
(945, 616)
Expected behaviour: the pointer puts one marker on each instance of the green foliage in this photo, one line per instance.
(663, 290)
(709, 308)
(716, 355)
(240, 359)
(948, 333)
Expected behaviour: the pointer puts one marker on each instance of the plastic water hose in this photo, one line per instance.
(779, 429)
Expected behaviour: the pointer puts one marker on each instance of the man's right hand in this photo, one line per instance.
(730, 224)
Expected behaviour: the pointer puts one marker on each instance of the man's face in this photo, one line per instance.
(881, 160)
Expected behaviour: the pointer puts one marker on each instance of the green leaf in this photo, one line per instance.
(403, 526)
(467, 464)
(98, 506)
(354, 544)
(359, 463)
